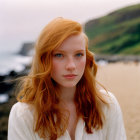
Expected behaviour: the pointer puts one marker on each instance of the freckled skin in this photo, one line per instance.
(69, 58)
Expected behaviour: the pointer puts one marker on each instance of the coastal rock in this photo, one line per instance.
(27, 49)
(7, 82)
(5, 86)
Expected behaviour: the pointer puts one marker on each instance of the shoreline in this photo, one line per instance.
(117, 58)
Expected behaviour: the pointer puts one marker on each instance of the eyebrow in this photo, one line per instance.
(65, 51)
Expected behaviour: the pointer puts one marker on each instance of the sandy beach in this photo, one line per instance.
(123, 79)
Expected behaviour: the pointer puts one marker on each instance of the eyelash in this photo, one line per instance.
(58, 55)
(61, 55)
(79, 54)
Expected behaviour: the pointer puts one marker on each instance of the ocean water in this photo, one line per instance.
(10, 61)
(102, 62)
(4, 98)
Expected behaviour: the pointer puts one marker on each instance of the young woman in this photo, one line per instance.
(59, 98)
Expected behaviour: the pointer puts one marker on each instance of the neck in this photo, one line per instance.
(67, 94)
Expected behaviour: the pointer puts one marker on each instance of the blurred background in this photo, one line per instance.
(113, 28)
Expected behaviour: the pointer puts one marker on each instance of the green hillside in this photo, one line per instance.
(116, 33)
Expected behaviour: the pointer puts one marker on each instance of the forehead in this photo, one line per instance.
(73, 43)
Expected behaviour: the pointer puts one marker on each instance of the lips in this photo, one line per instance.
(70, 76)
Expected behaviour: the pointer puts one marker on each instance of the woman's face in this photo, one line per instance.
(69, 61)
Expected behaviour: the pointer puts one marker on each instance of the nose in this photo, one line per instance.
(70, 64)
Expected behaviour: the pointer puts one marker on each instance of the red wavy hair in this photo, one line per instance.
(43, 93)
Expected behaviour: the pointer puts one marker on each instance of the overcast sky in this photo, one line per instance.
(22, 20)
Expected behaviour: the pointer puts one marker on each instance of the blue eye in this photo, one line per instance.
(79, 54)
(58, 55)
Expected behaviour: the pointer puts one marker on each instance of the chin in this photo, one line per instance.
(69, 85)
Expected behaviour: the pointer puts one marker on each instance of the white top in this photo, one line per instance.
(20, 125)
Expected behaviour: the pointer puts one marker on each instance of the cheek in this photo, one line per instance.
(55, 67)
(81, 64)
